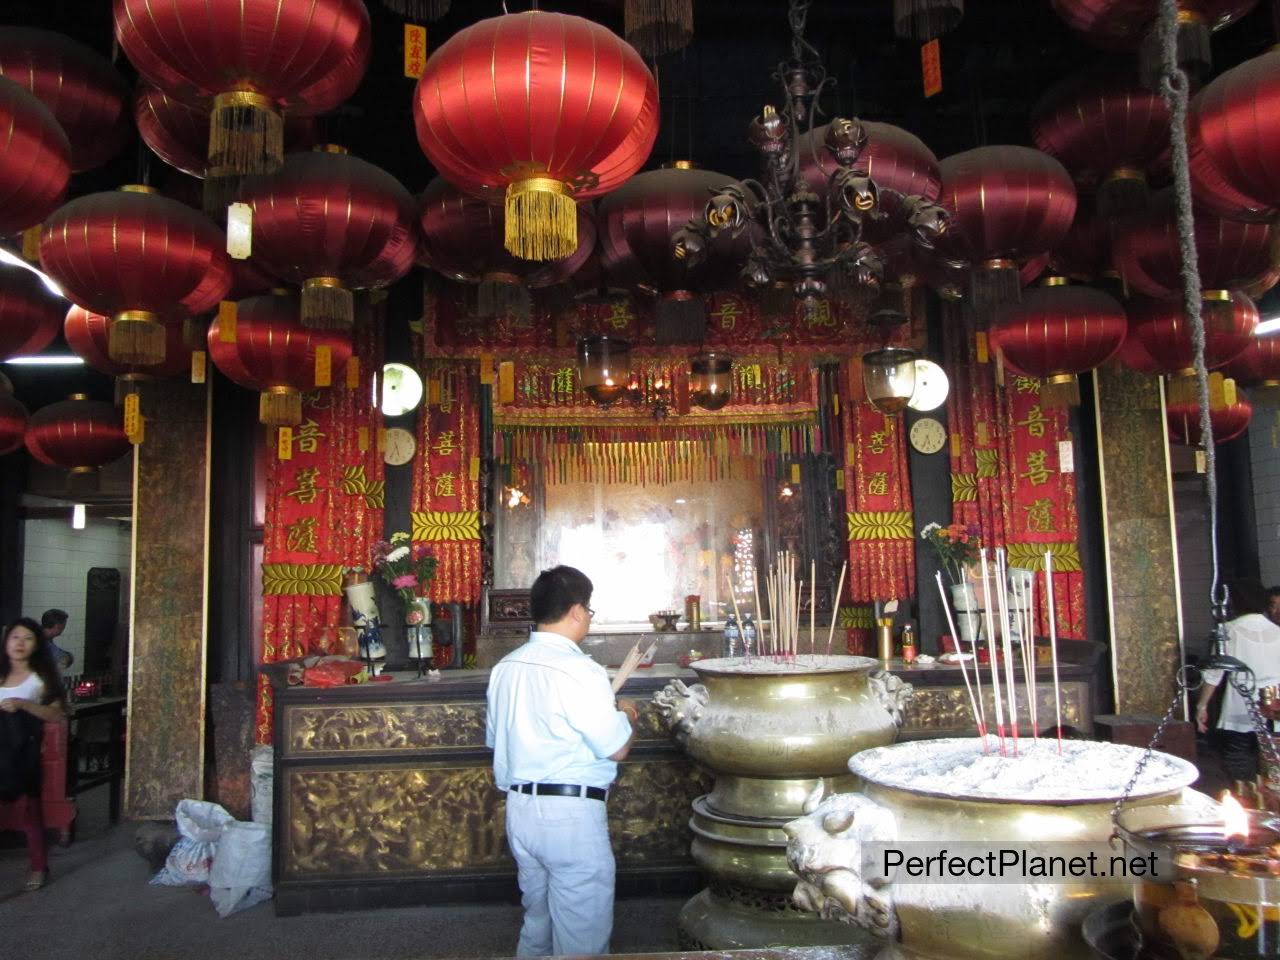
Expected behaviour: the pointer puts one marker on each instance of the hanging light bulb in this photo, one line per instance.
(77, 516)
(889, 378)
(604, 367)
(710, 380)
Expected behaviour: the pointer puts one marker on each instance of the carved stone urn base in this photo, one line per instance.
(740, 919)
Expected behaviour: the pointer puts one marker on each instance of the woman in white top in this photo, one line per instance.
(30, 696)
(1254, 639)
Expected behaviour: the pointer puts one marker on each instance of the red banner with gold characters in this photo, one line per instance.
(324, 507)
(1006, 473)
(878, 500)
(446, 479)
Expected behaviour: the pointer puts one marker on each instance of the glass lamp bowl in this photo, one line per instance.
(889, 378)
(604, 366)
(710, 380)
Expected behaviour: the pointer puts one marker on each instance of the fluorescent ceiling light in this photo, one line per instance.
(14, 260)
(47, 360)
(77, 517)
(1267, 326)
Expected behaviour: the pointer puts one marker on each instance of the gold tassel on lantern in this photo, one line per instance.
(541, 219)
(1060, 390)
(136, 337)
(246, 134)
(280, 407)
(418, 10)
(327, 304)
(655, 27)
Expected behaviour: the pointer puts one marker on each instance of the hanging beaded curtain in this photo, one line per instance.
(1006, 478)
(324, 508)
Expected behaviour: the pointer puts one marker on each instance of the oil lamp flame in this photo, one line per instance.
(1235, 821)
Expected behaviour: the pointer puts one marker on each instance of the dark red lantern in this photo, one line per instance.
(13, 418)
(273, 353)
(1258, 365)
(1008, 205)
(139, 258)
(542, 109)
(77, 434)
(1084, 253)
(252, 59)
(85, 93)
(1161, 326)
(638, 223)
(30, 316)
(88, 336)
(332, 223)
(1057, 332)
(463, 238)
(1227, 421)
(1234, 135)
(1134, 355)
(1109, 132)
(35, 160)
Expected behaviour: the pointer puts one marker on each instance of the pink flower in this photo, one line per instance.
(405, 581)
(414, 617)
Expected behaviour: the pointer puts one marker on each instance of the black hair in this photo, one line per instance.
(41, 662)
(1272, 593)
(1248, 596)
(51, 618)
(555, 592)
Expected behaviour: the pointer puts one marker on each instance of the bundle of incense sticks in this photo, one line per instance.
(992, 657)
(784, 592)
(979, 720)
(1053, 643)
(630, 662)
(1006, 641)
(835, 607)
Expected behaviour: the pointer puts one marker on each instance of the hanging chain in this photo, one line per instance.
(1266, 741)
(1182, 686)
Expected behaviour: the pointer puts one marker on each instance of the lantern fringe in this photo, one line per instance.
(541, 220)
(83, 480)
(221, 189)
(137, 340)
(924, 20)
(245, 135)
(193, 333)
(994, 287)
(503, 295)
(655, 27)
(1183, 390)
(280, 407)
(126, 385)
(1057, 393)
(1121, 195)
(680, 319)
(327, 306)
(1195, 53)
(418, 10)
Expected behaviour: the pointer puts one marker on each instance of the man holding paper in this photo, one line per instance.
(557, 735)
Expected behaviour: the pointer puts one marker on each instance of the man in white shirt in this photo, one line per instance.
(557, 735)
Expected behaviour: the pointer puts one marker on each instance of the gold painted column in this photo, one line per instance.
(1144, 598)
(167, 628)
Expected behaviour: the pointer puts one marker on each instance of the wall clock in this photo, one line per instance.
(399, 447)
(928, 435)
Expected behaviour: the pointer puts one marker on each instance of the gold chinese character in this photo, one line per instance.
(1035, 421)
(620, 315)
(562, 381)
(444, 485)
(305, 491)
(878, 442)
(318, 400)
(445, 444)
(301, 536)
(1037, 470)
(878, 483)
(447, 395)
(1026, 384)
(1040, 516)
(308, 436)
(728, 314)
(818, 314)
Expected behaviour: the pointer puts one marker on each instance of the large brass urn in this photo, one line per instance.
(770, 733)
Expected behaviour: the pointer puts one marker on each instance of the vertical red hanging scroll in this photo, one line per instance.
(324, 506)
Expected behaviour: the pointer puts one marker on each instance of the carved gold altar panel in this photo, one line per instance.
(944, 711)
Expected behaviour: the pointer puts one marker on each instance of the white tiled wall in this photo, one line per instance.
(56, 563)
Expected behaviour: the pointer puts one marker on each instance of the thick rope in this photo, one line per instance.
(1173, 88)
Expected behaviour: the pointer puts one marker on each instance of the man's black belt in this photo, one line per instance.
(561, 790)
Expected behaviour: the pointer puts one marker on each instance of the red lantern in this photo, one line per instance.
(638, 223)
(1258, 365)
(275, 354)
(1084, 253)
(1227, 421)
(35, 160)
(1162, 327)
(88, 334)
(1234, 135)
(1230, 254)
(462, 238)
(542, 108)
(1057, 332)
(1134, 355)
(1008, 205)
(253, 58)
(85, 93)
(141, 259)
(30, 316)
(13, 418)
(77, 434)
(1109, 132)
(332, 223)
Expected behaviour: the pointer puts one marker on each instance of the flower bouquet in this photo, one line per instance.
(407, 568)
(956, 546)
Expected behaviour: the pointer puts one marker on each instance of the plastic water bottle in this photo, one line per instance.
(748, 635)
(730, 636)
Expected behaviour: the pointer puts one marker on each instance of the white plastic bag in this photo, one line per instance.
(261, 773)
(200, 824)
(241, 873)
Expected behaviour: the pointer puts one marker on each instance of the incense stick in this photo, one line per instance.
(973, 705)
(1053, 643)
(755, 591)
(813, 601)
(991, 647)
(835, 607)
(1006, 642)
(733, 597)
(977, 670)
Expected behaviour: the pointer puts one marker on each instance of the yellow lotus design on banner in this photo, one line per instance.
(302, 579)
(988, 461)
(856, 618)
(1030, 556)
(880, 525)
(438, 525)
(964, 487)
